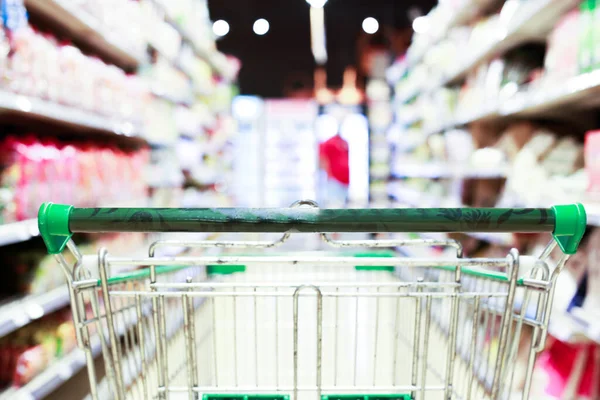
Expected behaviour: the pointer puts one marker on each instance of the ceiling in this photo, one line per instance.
(282, 58)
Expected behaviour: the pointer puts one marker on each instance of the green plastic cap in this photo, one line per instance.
(53, 223)
(569, 227)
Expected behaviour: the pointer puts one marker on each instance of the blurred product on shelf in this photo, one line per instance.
(39, 66)
(540, 169)
(562, 56)
(192, 19)
(71, 173)
(28, 351)
(592, 163)
(168, 81)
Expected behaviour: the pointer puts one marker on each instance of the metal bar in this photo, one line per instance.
(376, 339)
(189, 347)
(192, 332)
(287, 388)
(319, 342)
(336, 340)
(325, 294)
(214, 335)
(163, 339)
(120, 392)
(108, 361)
(277, 339)
(125, 342)
(89, 358)
(356, 336)
(416, 344)
(319, 337)
(451, 357)
(235, 355)
(516, 339)
(390, 242)
(160, 370)
(506, 322)
(425, 345)
(295, 284)
(311, 220)
(396, 339)
(255, 340)
(470, 371)
(142, 344)
(224, 244)
(323, 260)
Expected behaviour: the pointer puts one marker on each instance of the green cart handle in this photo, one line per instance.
(58, 222)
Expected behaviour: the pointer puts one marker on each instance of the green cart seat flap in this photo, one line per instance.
(225, 396)
(381, 254)
(224, 269)
(398, 396)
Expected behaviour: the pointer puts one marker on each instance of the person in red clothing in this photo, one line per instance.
(334, 156)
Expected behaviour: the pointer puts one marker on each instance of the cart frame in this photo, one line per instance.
(448, 279)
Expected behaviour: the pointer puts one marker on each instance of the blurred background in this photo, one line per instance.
(259, 103)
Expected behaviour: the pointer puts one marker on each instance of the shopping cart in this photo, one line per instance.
(341, 325)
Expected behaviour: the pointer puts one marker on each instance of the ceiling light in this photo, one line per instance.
(370, 25)
(317, 3)
(220, 28)
(420, 25)
(261, 26)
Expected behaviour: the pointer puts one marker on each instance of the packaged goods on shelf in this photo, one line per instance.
(160, 35)
(562, 56)
(192, 19)
(84, 174)
(168, 81)
(198, 69)
(39, 66)
(160, 124)
(28, 351)
(592, 163)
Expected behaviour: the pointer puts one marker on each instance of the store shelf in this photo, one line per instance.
(83, 27)
(550, 98)
(439, 171)
(533, 21)
(538, 101)
(17, 232)
(47, 111)
(22, 311)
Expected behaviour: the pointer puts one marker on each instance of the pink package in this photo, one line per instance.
(568, 370)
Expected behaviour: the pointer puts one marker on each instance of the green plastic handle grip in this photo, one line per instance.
(58, 222)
